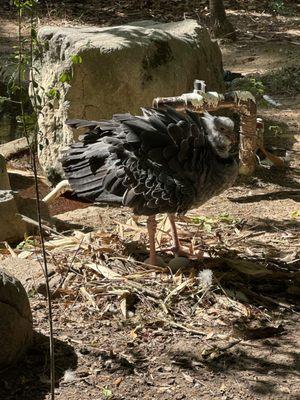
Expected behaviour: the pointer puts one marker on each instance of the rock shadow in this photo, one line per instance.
(29, 378)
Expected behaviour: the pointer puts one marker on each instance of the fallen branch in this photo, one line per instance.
(277, 161)
(187, 328)
(143, 289)
(216, 352)
(35, 223)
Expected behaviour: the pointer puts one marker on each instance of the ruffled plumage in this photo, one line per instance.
(156, 163)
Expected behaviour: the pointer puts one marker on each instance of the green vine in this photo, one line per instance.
(26, 51)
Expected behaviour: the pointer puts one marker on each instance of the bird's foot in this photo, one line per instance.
(178, 251)
(181, 251)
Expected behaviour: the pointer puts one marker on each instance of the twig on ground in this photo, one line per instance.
(11, 251)
(178, 289)
(187, 328)
(36, 224)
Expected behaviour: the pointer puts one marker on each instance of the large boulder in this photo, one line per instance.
(4, 179)
(14, 147)
(91, 72)
(15, 320)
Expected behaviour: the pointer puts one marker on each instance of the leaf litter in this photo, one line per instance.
(221, 303)
(234, 286)
(112, 307)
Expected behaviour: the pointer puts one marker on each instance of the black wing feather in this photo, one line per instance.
(148, 163)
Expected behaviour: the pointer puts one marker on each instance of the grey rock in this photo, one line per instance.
(15, 320)
(178, 263)
(123, 68)
(159, 261)
(12, 227)
(4, 179)
(13, 148)
(27, 270)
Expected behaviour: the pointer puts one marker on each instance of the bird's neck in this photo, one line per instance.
(220, 144)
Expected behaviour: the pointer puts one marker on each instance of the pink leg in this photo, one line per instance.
(176, 244)
(177, 248)
(151, 226)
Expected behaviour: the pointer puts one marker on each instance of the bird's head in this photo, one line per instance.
(220, 132)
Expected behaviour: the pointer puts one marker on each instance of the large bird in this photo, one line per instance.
(160, 162)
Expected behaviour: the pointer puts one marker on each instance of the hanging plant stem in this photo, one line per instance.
(32, 144)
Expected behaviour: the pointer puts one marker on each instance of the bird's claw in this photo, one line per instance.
(181, 252)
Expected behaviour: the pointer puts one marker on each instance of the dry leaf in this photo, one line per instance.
(123, 305)
(179, 289)
(103, 270)
(187, 377)
(85, 294)
(24, 254)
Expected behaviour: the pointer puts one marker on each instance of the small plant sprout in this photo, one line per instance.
(275, 130)
(66, 76)
(107, 393)
(295, 214)
(210, 223)
(226, 218)
(27, 50)
(277, 6)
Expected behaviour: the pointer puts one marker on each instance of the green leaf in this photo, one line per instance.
(33, 33)
(65, 77)
(275, 129)
(207, 227)
(107, 393)
(53, 94)
(76, 59)
(226, 218)
(295, 214)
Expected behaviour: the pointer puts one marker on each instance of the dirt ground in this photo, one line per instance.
(158, 333)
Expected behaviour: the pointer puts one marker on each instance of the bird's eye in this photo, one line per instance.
(222, 129)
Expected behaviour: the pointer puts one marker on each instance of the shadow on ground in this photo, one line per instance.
(271, 361)
(276, 195)
(29, 379)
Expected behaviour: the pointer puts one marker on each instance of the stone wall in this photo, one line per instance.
(122, 69)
